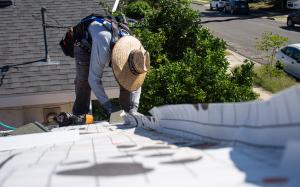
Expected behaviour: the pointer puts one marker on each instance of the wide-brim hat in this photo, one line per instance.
(130, 62)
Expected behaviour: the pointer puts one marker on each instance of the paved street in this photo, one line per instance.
(241, 31)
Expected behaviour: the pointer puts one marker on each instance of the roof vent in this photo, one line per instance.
(5, 3)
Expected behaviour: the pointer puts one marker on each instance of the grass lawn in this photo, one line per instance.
(260, 5)
(272, 79)
(269, 5)
(201, 1)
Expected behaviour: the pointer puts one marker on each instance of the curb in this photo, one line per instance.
(241, 56)
(231, 49)
(270, 15)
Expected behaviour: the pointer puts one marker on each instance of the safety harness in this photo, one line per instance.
(79, 35)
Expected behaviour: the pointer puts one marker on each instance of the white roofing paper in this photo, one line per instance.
(117, 155)
(268, 123)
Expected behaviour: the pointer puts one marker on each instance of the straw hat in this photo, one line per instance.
(130, 63)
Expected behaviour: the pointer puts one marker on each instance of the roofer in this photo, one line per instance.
(129, 61)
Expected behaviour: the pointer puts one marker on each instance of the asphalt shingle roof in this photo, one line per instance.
(21, 40)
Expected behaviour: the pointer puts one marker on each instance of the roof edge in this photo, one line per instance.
(48, 98)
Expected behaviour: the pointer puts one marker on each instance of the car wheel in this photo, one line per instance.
(290, 22)
(210, 7)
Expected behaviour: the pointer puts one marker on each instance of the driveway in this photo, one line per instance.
(242, 31)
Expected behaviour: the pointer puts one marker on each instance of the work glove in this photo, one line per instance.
(67, 119)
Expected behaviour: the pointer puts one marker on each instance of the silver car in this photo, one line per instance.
(217, 4)
(289, 56)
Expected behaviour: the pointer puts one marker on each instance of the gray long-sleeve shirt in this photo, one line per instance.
(100, 56)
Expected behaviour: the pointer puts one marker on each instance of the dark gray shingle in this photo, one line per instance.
(21, 40)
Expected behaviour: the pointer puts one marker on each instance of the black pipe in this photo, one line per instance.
(43, 10)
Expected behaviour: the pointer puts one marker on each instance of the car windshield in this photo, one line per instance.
(287, 51)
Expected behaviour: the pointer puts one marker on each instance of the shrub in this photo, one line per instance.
(195, 79)
(99, 112)
(154, 43)
(179, 23)
(138, 9)
(188, 62)
(269, 43)
(244, 74)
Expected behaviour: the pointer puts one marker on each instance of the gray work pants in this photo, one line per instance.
(129, 101)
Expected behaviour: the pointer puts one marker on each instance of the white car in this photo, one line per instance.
(293, 4)
(289, 56)
(217, 4)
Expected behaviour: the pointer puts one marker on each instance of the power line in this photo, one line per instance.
(4, 69)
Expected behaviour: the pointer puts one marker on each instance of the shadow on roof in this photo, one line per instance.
(108, 169)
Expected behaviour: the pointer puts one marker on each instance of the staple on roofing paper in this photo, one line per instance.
(40, 139)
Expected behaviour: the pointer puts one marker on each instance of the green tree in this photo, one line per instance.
(179, 23)
(269, 43)
(138, 9)
(188, 62)
(271, 76)
(154, 43)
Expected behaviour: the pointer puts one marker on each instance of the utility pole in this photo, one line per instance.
(47, 57)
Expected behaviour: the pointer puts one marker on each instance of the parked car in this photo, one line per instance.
(289, 56)
(236, 6)
(217, 4)
(293, 4)
(293, 18)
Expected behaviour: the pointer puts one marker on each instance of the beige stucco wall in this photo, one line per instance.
(20, 110)
(18, 116)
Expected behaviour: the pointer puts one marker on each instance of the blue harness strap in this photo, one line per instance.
(106, 23)
(116, 29)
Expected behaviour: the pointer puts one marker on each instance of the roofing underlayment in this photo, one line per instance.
(233, 144)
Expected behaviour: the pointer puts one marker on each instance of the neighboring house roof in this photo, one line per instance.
(21, 40)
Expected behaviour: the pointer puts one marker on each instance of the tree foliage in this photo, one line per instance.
(188, 62)
(138, 9)
(269, 43)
